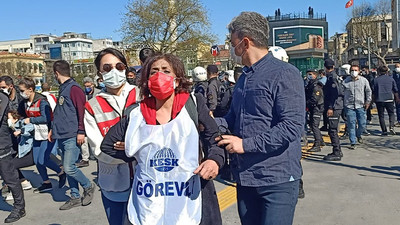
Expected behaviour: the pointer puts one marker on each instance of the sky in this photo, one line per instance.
(103, 19)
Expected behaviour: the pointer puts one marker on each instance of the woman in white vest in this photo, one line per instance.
(102, 112)
(172, 182)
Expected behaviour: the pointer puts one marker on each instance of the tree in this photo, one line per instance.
(167, 26)
(370, 22)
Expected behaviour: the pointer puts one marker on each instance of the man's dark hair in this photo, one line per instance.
(45, 87)
(28, 83)
(62, 67)
(145, 53)
(7, 79)
(211, 69)
(355, 65)
(383, 70)
(111, 51)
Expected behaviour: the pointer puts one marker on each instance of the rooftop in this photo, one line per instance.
(297, 16)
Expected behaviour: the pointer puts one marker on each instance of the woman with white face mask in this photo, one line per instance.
(102, 112)
(172, 182)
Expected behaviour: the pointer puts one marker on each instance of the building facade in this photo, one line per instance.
(371, 35)
(303, 36)
(337, 46)
(19, 65)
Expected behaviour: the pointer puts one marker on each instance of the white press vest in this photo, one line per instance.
(165, 191)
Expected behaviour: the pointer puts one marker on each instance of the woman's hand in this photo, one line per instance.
(119, 145)
(16, 133)
(207, 170)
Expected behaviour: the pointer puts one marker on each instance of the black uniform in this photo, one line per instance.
(315, 106)
(333, 99)
(370, 79)
(7, 170)
(201, 88)
(212, 93)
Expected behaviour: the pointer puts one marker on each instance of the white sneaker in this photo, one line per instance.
(26, 185)
(9, 197)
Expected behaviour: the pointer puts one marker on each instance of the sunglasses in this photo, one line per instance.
(119, 66)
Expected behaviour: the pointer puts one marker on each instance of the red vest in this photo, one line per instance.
(104, 113)
(34, 109)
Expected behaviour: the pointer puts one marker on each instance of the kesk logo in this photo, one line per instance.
(164, 160)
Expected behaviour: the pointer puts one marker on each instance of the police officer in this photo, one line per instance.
(333, 102)
(213, 88)
(315, 106)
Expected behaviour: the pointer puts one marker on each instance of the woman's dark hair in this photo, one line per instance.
(383, 70)
(113, 52)
(14, 114)
(177, 67)
(28, 83)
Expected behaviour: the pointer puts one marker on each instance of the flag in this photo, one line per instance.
(349, 4)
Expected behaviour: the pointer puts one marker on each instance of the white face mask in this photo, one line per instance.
(114, 78)
(354, 74)
(397, 70)
(310, 77)
(24, 96)
(237, 59)
(6, 90)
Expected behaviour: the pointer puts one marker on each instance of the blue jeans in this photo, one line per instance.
(41, 157)
(398, 112)
(268, 205)
(355, 116)
(116, 212)
(70, 152)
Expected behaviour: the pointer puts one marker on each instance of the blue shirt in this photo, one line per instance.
(268, 113)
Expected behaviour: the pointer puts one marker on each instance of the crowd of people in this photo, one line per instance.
(351, 96)
(159, 139)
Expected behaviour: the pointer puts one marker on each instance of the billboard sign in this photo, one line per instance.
(299, 37)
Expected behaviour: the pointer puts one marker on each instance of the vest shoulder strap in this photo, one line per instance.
(191, 108)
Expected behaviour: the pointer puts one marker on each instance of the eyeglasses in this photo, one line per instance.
(119, 66)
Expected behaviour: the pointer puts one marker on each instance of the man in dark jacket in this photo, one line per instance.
(333, 101)
(7, 170)
(213, 88)
(7, 84)
(385, 92)
(315, 106)
(368, 75)
(68, 129)
(266, 117)
(396, 77)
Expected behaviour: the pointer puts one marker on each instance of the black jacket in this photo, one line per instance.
(5, 134)
(314, 94)
(333, 92)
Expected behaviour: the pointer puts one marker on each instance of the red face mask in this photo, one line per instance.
(161, 85)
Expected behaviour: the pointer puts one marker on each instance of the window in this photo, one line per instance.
(46, 39)
(66, 45)
(88, 46)
(79, 44)
(383, 31)
(72, 44)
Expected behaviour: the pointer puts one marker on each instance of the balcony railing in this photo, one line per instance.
(296, 16)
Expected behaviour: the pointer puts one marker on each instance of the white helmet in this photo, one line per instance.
(231, 77)
(279, 53)
(346, 69)
(199, 74)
